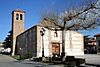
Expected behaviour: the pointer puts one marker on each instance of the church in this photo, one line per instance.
(42, 41)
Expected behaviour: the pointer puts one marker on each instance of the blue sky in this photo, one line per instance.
(34, 10)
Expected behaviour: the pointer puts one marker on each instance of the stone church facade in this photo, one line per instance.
(31, 41)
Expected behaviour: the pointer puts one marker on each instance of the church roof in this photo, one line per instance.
(48, 24)
(97, 35)
(18, 10)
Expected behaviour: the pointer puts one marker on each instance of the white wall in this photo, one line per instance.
(74, 42)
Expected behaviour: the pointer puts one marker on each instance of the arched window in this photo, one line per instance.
(17, 16)
(55, 34)
(20, 16)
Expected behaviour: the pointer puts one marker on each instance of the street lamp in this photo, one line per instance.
(20, 51)
(42, 32)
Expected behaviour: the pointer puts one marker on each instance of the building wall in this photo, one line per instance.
(1, 43)
(26, 42)
(31, 41)
(74, 42)
(17, 27)
(1, 46)
(98, 44)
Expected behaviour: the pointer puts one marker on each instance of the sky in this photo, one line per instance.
(34, 11)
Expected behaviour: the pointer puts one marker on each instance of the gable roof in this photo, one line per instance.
(48, 24)
(97, 35)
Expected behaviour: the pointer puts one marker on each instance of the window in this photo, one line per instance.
(99, 43)
(17, 16)
(20, 16)
(55, 34)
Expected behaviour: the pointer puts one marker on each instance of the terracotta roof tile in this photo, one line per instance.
(48, 24)
(97, 35)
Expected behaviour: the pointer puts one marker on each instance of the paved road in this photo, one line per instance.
(7, 61)
(93, 59)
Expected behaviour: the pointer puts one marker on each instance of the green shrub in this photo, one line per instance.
(70, 59)
(17, 57)
(25, 56)
(56, 59)
(71, 64)
(79, 61)
(37, 59)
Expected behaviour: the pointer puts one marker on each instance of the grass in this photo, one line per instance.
(17, 57)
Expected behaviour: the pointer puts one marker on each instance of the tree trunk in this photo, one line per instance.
(63, 45)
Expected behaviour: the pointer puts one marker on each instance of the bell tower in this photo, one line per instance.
(17, 26)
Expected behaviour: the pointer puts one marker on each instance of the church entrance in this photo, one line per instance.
(56, 48)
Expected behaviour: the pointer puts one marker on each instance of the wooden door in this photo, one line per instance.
(56, 48)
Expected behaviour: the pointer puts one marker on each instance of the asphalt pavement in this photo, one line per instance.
(91, 59)
(7, 61)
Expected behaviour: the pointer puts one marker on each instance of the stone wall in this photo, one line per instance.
(17, 27)
(26, 42)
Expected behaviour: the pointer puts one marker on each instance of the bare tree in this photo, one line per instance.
(86, 18)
